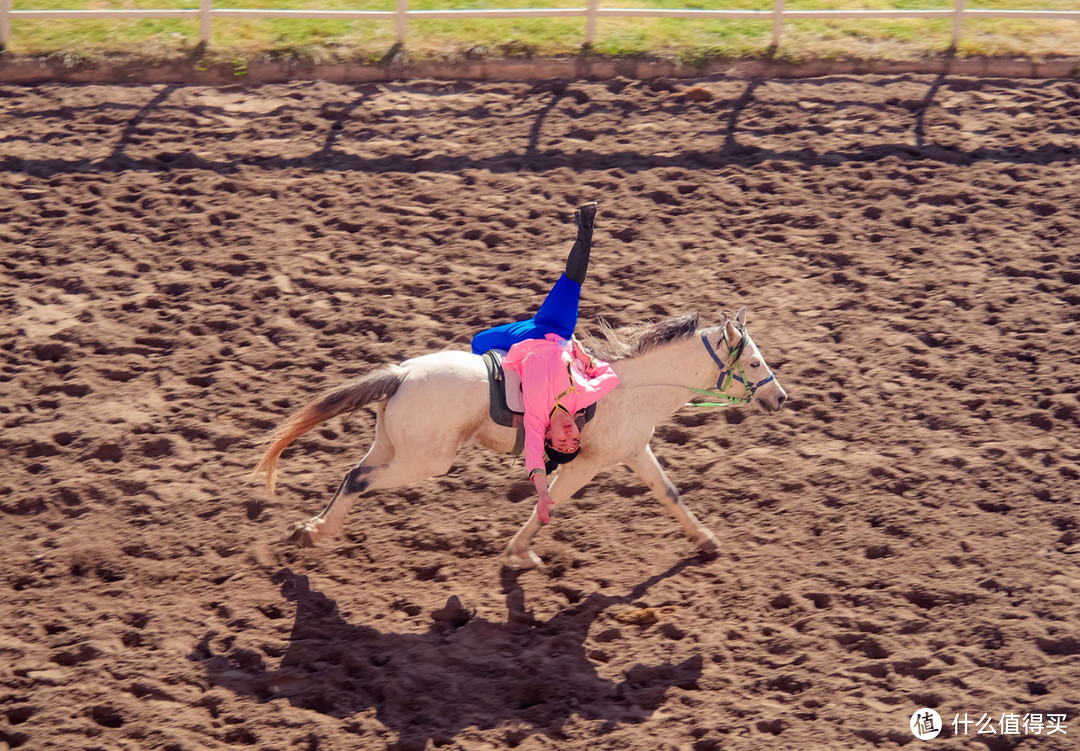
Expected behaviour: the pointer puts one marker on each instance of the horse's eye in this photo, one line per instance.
(755, 364)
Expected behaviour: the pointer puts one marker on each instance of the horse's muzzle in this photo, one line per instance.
(771, 399)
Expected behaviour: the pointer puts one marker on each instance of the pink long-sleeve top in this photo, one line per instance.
(556, 374)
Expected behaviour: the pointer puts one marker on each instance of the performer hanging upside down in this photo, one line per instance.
(559, 311)
(559, 379)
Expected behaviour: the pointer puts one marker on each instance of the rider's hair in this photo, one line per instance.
(554, 458)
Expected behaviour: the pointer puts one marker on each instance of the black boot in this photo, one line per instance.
(585, 215)
(577, 263)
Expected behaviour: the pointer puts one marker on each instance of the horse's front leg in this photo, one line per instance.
(645, 466)
(571, 478)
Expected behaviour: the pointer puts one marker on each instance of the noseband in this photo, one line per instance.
(728, 372)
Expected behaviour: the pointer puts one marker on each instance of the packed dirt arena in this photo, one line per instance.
(183, 266)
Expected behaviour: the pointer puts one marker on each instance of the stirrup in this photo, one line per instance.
(585, 215)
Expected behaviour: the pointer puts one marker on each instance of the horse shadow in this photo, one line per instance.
(463, 672)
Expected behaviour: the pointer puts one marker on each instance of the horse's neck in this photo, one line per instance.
(668, 371)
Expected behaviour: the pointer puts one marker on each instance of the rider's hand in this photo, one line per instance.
(543, 507)
(539, 479)
(583, 357)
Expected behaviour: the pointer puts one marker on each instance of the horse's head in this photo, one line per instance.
(744, 374)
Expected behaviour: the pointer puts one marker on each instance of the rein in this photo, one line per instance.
(727, 374)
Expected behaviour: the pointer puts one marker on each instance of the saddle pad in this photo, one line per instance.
(500, 413)
(508, 382)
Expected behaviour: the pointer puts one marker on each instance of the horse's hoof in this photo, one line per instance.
(523, 561)
(301, 534)
(707, 542)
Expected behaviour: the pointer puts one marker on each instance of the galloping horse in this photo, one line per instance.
(430, 406)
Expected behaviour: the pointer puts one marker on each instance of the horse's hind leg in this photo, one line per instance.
(407, 465)
(329, 522)
(437, 407)
(645, 466)
(372, 468)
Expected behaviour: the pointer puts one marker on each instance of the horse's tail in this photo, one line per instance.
(351, 395)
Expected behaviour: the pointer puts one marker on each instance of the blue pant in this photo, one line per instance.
(557, 315)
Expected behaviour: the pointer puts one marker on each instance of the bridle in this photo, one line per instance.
(728, 373)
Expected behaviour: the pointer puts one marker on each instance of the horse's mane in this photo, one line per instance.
(637, 338)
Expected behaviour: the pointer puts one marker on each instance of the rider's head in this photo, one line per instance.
(563, 434)
(563, 438)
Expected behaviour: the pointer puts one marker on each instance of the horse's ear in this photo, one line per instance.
(740, 317)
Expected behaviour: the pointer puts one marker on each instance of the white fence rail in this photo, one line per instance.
(778, 15)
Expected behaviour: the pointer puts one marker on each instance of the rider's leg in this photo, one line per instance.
(500, 337)
(558, 313)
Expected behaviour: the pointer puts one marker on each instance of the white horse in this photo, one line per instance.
(430, 406)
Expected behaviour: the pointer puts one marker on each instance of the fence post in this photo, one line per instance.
(399, 20)
(5, 22)
(204, 20)
(957, 22)
(590, 23)
(777, 22)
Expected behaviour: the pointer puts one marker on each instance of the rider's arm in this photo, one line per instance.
(537, 362)
(535, 428)
(536, 372)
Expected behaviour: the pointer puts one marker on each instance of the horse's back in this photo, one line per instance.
(446, 388)
(446, 366)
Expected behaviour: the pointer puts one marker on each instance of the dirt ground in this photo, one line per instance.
(183, 266)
